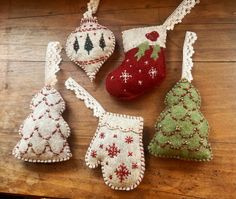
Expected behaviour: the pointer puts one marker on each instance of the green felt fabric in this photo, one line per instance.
(182, 130)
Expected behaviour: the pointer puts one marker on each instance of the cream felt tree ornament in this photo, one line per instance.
(116, 146)
(90, 44)
(182, 130)
(44, 132)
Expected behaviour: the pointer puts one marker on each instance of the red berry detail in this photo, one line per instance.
(152, 36)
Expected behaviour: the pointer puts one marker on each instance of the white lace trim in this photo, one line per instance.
(82, 94)
(92, 8)
(53, 60)
(188, 52)
(176, 17)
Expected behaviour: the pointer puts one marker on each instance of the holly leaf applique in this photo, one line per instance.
(155, 52)
(141, 50)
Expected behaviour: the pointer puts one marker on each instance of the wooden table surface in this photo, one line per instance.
(25, 29)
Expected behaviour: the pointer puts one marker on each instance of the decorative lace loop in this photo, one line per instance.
(188, 52)
(82, 94)
(53, 60)
(92, 8)
(176, 17)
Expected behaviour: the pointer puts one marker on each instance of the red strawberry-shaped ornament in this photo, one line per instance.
(144, 65)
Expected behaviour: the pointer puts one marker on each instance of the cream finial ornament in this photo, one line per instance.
(90, 44)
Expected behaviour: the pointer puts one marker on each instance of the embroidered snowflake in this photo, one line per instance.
(93, 154)
(112, 150)
(102, 135)
(130, 154)
(129, 139)
(125, 76)
(152, 72)
(134, 165)
(122, 172)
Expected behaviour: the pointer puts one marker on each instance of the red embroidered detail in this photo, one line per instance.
(112, 150)
(101, 146)
(129, 139)
(130, 154)
(110, 177)
(134, 165)
(92, 61)
(122, 172)
(102, 135)
(152, 36)
(93, 154)
(114, 136)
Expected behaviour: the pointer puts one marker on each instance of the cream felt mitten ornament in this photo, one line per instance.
(182, 130)
(116, 146)
(144, 65)
(44, 132)
(90, 44)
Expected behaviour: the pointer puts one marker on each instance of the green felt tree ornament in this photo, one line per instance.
(182, 130)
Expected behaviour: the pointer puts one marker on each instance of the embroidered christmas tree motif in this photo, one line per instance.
(122, 172)
(76, 45)
(112, 150)
(102, 43)
(88, 46)
(129, 139)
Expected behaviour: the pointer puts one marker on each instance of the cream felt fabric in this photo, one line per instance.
(90, 44)
(44, 132)
(117, 144)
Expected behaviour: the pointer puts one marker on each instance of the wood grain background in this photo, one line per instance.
(26, 26)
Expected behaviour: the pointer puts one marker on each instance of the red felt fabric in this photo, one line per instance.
(140, 72)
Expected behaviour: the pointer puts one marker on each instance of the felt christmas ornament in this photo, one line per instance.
(144, 65)
(182, 130)
(44, 132)
(91, 44)
(116, 146)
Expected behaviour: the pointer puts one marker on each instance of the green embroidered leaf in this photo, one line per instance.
(141, 50)
(155, 52)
